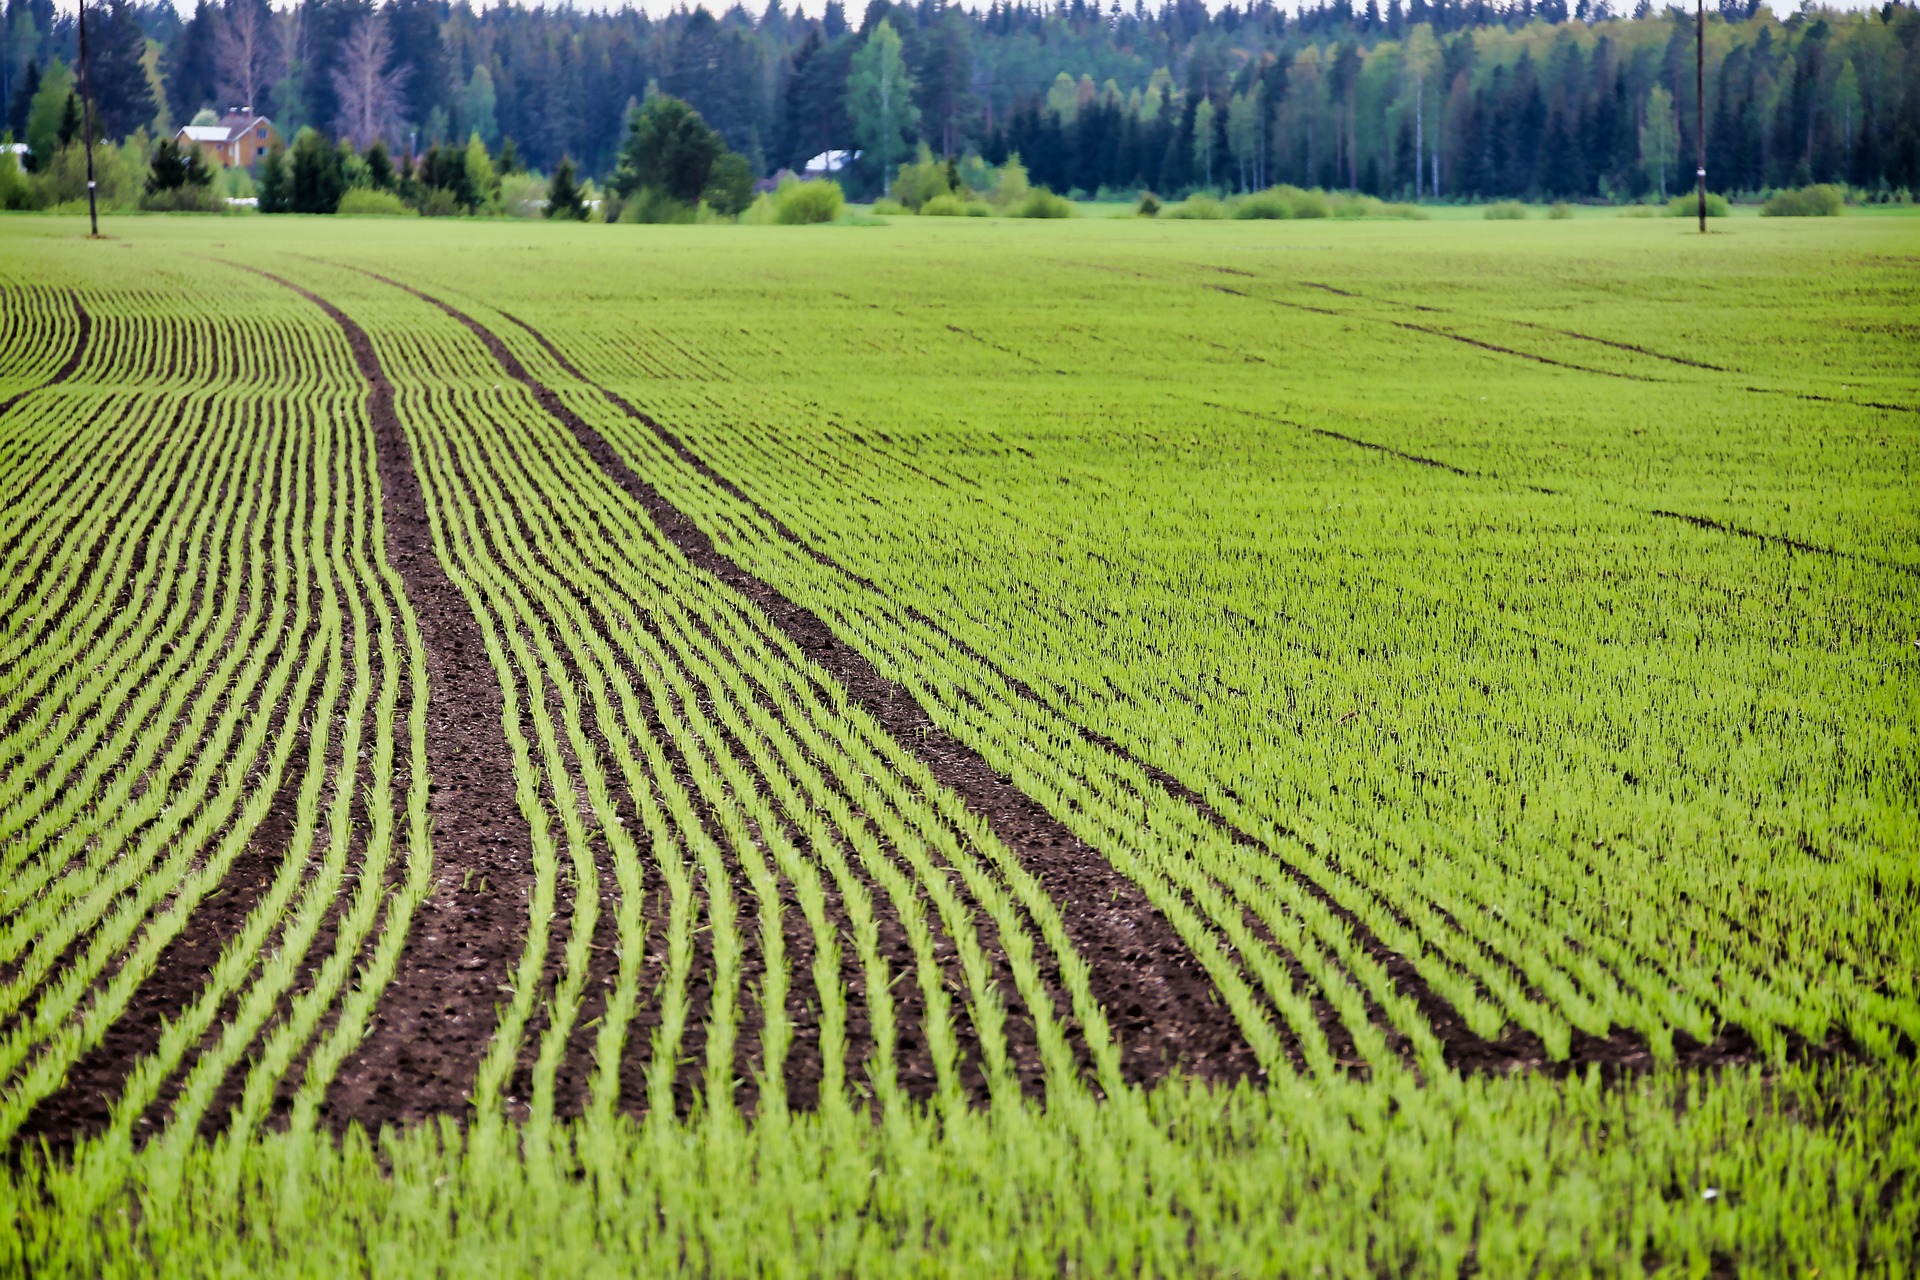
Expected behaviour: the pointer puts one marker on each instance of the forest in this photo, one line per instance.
(1435, 99)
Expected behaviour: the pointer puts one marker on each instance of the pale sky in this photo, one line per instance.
(857, 8)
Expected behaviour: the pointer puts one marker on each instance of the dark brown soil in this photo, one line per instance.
(438, 1014)
(1159, 1000)
(84, 1102)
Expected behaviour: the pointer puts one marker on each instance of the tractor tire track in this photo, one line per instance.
(435, 1020)
(1137, 961)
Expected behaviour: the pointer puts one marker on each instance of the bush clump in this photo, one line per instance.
(944, 205)
(1504, 211)
(366, 202)
(800, 203)
(1199, 206)
(1348, 205)
(1149, 206)
(1560, 211)
(1688, 206)
(1269, 205)
(1042, 203)
(1822, 200)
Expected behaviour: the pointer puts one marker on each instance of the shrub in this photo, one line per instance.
(1305, 204)
(648, 205)
(184, 199)
(886, 207)
(798, 203)
(922, 179)
(1346, 204)
(1560, 211)
(1010, 189)
(1504, 211)
(523, 195)
(15, 191)
(1149, 206)
(1199, 207)
(441, 202)
(1688, 206)
(1042, 203)
(365, 202)
(944, 205)
(1822, 200)
(1269, 205)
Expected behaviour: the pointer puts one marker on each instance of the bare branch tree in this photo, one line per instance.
(243, 52)
(368, 90)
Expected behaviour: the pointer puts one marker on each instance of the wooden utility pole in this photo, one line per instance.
(1700, 109)
(86, 124)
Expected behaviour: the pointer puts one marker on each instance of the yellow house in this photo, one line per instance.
(240, 137)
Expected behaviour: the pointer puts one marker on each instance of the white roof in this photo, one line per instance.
(828, 161)
(204, 132)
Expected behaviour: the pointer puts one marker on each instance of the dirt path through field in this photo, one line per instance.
(1160, 1002)
(436, 1017)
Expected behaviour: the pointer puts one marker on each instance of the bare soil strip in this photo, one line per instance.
(437, 1016)
(1527, 324)
(1442, 333)
(1699, 522)
(1356, 441)
(84, 1103)
(73, 360)
(1780, 540)
(1158, 997)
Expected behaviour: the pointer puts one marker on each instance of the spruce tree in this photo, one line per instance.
(563, 196)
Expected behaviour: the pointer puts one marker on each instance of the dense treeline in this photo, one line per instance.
(1449, 98)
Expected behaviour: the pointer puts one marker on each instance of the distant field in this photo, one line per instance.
(960, 746)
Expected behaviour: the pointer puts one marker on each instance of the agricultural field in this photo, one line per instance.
(960, 747)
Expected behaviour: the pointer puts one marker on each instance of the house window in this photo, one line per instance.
(261, 133)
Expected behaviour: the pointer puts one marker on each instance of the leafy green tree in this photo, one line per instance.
(1659, 138)
(1846, 102)
(1246, 137)
(563, 194)
(669, 151)
(1418, 57)
(479, 105)
(880, 100)
(729, 184)
(1203, 140)
(45, 112)
(482, 181)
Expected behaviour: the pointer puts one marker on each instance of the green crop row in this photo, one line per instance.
(1462, 653)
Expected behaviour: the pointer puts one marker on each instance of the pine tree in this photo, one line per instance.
(275, 195)
(116, 74)
(563, 196)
